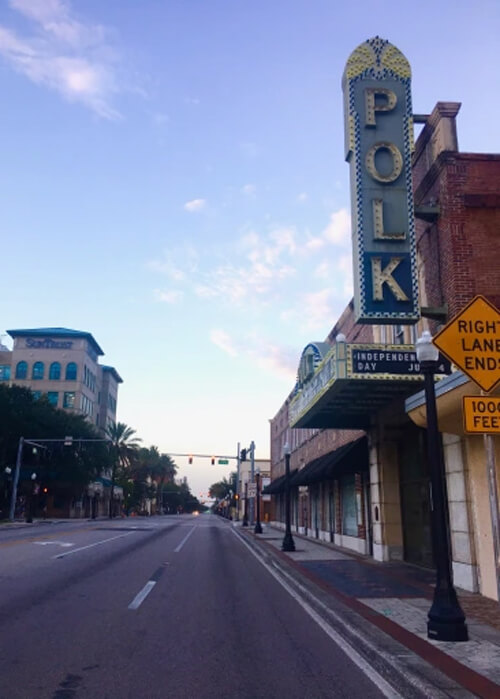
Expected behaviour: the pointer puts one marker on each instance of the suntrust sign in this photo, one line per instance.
(379, 144)
(47, 343)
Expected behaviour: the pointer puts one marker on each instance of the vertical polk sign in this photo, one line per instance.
(379, 144)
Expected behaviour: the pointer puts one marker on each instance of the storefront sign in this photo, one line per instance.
(472, 341)
(481, 414)
(379, 144)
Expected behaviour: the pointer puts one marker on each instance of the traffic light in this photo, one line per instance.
(45, 490)
(236, 497)
(243, 455)
(213, 460)
(190, 459)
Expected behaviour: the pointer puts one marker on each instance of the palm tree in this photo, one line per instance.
(124, 448)
(165, 470)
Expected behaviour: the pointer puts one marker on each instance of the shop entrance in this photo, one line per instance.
(415, 498)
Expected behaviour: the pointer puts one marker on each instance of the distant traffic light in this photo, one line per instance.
(45, 490)
(243, 455)
(190, 459)
(213, 460)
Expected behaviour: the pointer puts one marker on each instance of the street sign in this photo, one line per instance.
(223, 462)
(472, 341)
(482, 414)
(252, 490)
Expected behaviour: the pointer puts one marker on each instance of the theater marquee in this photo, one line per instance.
(379, 144)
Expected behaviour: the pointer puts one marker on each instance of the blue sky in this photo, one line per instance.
(173, 182)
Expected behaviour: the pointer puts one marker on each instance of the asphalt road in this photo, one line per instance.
(161, 607)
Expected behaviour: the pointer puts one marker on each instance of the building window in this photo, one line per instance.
(55, 371)
(53, 397)
(38, 371)
(71, 372)
(21, 370)
(69, 399)
(4, 372)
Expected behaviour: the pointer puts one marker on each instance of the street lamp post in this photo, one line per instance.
(245, 509)
(288, 543)
(446, 620)
(258, 526)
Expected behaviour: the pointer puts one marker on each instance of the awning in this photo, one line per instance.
(354, 382)
(278, 485)
(352, 456)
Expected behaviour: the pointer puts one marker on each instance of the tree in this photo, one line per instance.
(165, 470)
(124, 449)
(65, 471)
(223, 488)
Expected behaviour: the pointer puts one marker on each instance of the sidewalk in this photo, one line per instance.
(395, 598)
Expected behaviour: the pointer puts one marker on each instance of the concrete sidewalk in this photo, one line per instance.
(395, 598)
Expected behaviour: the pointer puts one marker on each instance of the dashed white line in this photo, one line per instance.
(184, 540)
(141, 596)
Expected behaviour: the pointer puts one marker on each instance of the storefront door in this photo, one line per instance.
(415, 498)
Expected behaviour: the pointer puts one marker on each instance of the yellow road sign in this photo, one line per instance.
(482, 414)
(472, 341)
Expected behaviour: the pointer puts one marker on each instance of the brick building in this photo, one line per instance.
(358, 459)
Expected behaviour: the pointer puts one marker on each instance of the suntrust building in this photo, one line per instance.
(425, 219)
(64, 365)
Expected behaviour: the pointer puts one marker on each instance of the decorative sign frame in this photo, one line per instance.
(379, 146)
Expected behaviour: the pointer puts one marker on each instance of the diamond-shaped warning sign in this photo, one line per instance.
(472, 341)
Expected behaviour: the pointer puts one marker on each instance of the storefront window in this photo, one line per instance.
(348, 500)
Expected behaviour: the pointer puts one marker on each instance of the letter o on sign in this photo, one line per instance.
(397, 162)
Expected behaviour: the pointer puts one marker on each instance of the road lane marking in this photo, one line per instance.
(89, 546)
(141, 596)
(184, 541)
(49, 543)
(384, 687)
(41, 537)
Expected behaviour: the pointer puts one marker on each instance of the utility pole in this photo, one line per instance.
(238, 493)
(252, 475)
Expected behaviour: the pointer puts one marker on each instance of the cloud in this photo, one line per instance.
(275, 359)
(249, 190)
(302, 197)
(172, 297)
(63, 54)
(338, 230)
(322, 271)
(250, 150)
(221, 339)
(195, 205)
(315, 310)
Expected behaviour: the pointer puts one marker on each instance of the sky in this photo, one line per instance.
(173, 181)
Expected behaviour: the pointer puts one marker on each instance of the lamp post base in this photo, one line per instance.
(446, 620)
(446, 631)
(258, 528)
(288, 543)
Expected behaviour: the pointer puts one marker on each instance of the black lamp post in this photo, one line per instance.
(245, 510)
(258, 526)
(288, 543)
(446, 620)
(31, 499)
